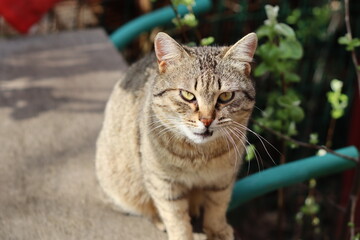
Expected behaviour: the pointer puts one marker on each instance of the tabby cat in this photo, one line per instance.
(174, 134)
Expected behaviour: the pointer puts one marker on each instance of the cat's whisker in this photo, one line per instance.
(236, 149)
(224, 136)
(230, 140)
(262, 139)
(241, 138)
(258, 159)
(256, 107)
(166, 128)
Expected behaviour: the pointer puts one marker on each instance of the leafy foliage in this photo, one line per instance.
(338, 100)
(279, 55)
(313, 25)
(188, 20)
(350, 43)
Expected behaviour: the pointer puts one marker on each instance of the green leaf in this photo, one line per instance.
(191, 44)
(285, 30)
(269, 52)
(350, 44)
(261, 69)
(351, 224)
(250, 152)
(314, 138)
(310, 207)
(177, 22)
(355, 42)
(338, 100)
(277, 125)
(291, 49)
(284, 101)
(294, 16)
(190, 20)
(268, 112)
(292, 129)
(289, 100)
(176, 3)
(312, 183)
(291, 77)
(336, 85)
(282, 114)
(271, 13)
(296, 113)
(344, 40)
(207, 41)
(263, 31)
(337, 113)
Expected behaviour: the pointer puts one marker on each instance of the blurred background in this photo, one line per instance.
(318, 25)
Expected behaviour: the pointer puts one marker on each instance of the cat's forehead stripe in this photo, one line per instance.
(207, 62)
(206, 57)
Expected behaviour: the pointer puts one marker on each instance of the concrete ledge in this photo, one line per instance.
(53, 90)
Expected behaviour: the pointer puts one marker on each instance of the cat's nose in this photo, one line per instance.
(206, 121)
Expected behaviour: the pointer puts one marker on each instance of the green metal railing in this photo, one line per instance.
(290, 173)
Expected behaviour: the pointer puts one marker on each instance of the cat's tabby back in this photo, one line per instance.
(174, 134)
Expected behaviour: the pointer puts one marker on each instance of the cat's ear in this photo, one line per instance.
(167, 50)
(243, 51)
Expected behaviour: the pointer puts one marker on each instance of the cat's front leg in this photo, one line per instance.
(171, 200)
(216, 204)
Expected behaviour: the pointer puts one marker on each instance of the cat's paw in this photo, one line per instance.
(226, 233)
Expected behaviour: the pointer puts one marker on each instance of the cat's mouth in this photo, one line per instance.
(205, 134)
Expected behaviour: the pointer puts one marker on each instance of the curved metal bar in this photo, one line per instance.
(294, 172)
(126, 33)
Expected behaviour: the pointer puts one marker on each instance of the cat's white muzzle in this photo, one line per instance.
(198, 135)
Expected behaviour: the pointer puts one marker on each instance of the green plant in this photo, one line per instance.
(313, 25)
(279, 55)
(188, 20)
(338, 100)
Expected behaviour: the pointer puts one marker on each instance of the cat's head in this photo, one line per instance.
(203, 93)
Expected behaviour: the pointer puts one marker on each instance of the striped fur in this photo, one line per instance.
(165, 157)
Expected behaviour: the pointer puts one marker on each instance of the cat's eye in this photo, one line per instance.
(225, 97)
(187, 96)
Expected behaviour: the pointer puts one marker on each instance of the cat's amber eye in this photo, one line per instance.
(226, 97)
(187, 96)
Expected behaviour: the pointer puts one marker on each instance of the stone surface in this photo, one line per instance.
(53, 91)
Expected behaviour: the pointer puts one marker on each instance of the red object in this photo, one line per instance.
(354, 139)
(348, 176)
(22, 14)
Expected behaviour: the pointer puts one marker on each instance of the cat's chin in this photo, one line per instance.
(201, 138)
(198, 137)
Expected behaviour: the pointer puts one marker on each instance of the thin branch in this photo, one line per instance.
(355, 191)
(349, 33)
(304, 144)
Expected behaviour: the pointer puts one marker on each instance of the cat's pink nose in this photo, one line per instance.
(206, 121)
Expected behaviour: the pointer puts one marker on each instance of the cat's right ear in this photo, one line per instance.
(243, 52)
(167, 51)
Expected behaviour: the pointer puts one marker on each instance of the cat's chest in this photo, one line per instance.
(201, 172)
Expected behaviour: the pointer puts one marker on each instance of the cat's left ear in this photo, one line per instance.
(243, 51)
(167, 51)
